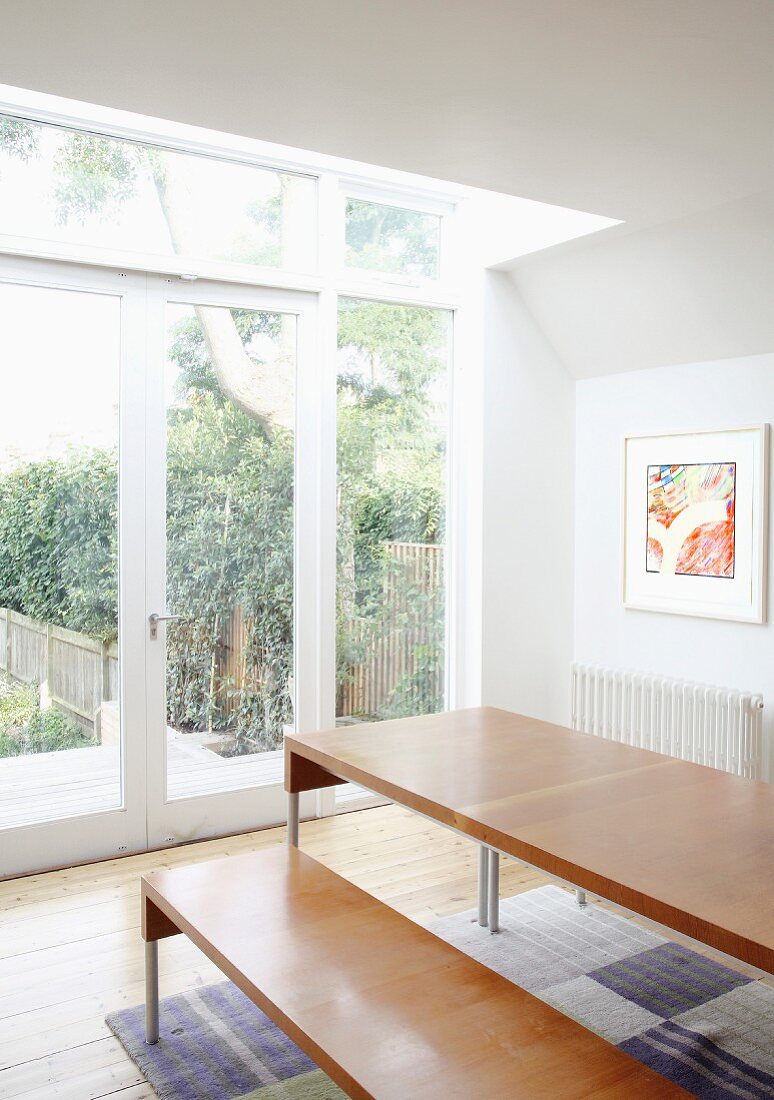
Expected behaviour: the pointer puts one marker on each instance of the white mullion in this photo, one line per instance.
(131, 541)
(326, 520)
(158, 264)
(403, 198)
(307, 510)
(331, 248)
(374, 290)
(156, 560)
(331, 252)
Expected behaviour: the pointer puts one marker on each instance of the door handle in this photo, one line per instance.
(154, 620)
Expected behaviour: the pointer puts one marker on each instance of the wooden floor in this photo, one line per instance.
(70, 947)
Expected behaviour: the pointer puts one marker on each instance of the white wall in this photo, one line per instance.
(719, 394)
(685, 291)
(528, 453)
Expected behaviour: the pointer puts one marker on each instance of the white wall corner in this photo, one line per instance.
(528, 519)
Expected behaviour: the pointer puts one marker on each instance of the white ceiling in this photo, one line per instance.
(651, 111)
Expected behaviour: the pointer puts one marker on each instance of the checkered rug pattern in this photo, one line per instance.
(704, 1025)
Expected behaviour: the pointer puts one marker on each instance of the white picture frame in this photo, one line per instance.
(695, 523)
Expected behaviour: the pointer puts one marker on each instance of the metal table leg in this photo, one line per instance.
(152, 992)
(580, 896)
(494, 891)
(483, 885)
(293, 812)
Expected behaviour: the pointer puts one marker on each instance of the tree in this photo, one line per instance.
(391, 238)
(96, 175)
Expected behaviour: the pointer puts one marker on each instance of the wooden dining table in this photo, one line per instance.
(686, 846)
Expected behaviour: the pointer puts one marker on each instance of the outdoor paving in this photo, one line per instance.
(48, 786)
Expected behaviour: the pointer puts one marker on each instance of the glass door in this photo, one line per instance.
(232, 494)
(393, 399)
(71, 762)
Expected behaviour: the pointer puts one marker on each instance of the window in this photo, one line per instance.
(230, 424)
(211, 316)
(393, 383)
(59, 473)
(392, 239)
(84, 189)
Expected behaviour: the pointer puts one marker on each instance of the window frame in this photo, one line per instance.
(398, 200)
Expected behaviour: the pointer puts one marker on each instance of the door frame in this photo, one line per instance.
(174, 821)
(113, 832)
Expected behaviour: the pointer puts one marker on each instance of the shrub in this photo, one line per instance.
(26, 729)
(58, 542)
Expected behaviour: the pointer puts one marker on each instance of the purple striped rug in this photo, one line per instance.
(698, 1022)
(214, 1044)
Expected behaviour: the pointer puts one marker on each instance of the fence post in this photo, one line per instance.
(8, 646)
(102, 676)
(47, 684)
(104, 673)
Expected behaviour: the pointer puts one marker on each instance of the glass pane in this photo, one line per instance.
(60, 743)
(78, 188)
(230, 386)
(392, 239)
(392, 443)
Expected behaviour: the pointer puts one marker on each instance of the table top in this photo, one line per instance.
(687, 846)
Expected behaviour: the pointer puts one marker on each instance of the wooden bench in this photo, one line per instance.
(386, 1008)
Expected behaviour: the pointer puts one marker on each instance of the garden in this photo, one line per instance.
(230, 501)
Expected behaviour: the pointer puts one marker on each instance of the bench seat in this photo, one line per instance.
(386, 1008)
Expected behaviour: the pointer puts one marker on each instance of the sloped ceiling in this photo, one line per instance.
(684, 291)
(657, 112)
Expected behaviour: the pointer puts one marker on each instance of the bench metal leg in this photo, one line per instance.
(293, 813)
(152, 992)
(494, 891)
(580, 896)
(483, 885)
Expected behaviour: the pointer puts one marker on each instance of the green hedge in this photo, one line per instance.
(230, 514)
(58, 541)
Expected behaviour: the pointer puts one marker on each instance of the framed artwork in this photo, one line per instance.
(695, 523)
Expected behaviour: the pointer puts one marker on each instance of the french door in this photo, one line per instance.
(72, 564)
(234, 555)
(167, 491)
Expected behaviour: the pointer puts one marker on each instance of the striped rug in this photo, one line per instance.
(705, 1026)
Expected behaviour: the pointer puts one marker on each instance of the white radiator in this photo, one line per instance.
(706, 725)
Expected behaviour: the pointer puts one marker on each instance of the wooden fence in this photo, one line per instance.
(232, 663)
(400, 650)
(392, 648)
(77, 674)
(403, 649)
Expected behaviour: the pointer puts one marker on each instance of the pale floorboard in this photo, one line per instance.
(70, 946)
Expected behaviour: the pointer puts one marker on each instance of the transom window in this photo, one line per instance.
(393, 240)
(80, 188)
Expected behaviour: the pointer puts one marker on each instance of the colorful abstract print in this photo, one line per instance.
(691, 519)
